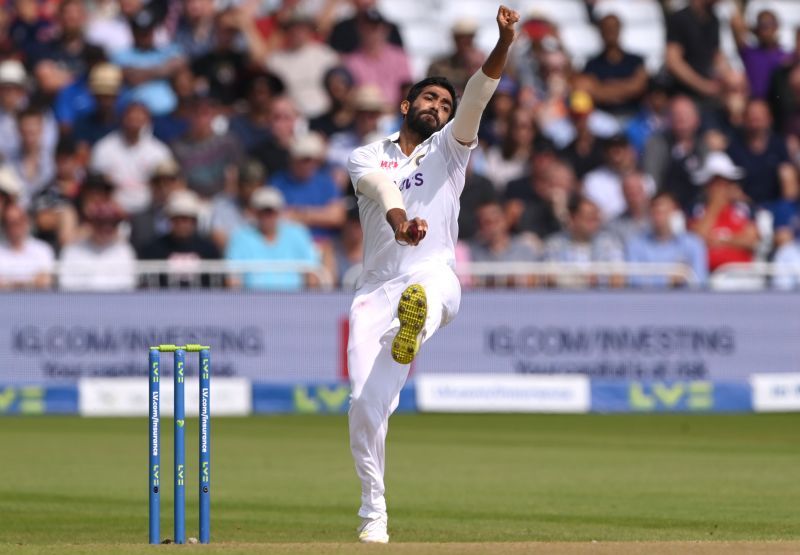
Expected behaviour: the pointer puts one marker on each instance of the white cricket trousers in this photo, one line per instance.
(375, 378)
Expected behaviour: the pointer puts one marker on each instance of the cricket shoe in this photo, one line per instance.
(373, 530)
(412, 310)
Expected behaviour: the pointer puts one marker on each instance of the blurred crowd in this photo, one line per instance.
(192, 130)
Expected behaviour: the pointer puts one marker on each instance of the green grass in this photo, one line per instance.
(465, 478)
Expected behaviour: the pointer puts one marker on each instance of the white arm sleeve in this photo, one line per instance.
(380, 188)
(477, 93)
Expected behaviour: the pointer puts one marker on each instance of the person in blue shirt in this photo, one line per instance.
(147, 67)
(273, 238)
(312, 196)
(667, 243)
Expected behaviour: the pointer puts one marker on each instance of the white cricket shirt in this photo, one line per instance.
(431, 180)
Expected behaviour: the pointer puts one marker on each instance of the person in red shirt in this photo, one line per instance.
(724, 220)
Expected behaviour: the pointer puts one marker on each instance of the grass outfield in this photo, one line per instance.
(287, 485)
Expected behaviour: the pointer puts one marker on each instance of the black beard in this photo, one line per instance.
(419, 125)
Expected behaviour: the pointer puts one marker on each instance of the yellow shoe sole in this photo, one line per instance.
(412, 312)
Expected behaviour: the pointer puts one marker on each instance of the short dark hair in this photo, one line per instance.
(417, 88)
(576, 201)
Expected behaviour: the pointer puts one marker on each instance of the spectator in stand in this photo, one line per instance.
(348, 250)
(477, 191)
(230, 212)
(509, 160)
(68, 56)
(148, 67)
(339, 85)
(273, 238)
(282, 121)
(302, 64)
(494, 124)
(369, 107)
(769, 174)
(174, 125)
(345, 34)
(674, 155)
(183, 247)
(207, 158)
(635, 219)
(312, 196)
(584, 242)
(54, 208)
(693, 55)
(604, 185)
(723, 220)
(494, 243)
(110, 29)
(784, 93)
(25, 262)
(10, 189)
(459, 65)
(29, 28)
(537, 205)
(153, 221)
(765, 56)
(34, 163)
(105, 81)
(664, 243)
(104, 261)
(252, 128)
(586, 152)
(195, 32)
(728, 118)
(377, 61)
(651, 119)
(127, 157)
(222, 71)
(13, 100)
(615, 79)
(787, 267)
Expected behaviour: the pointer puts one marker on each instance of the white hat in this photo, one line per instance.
(369, 98)
(183, 203)
(717, 164)
(310, 145)
(267, 197)
(105, 78)
(9, 182)
(12, 72)
(465, 26)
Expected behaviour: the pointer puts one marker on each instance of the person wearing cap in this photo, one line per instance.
(615, 79)
(207, 157)
(339, 86)
(408, 187)
(153, 222)
(147, 66)
(128, 157)
(369, 107)
(14, 98)
(272, 238)
(104, 260)
(230, 212)
(585, 153)
(80, 99)
(604, 184)
(101, 116)
(302, 63)
(459, 65)
(25, 262)
(344, 35)
(666, 242)
(723, 220)
(312, 196)
(183, 246)
(376, 61)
